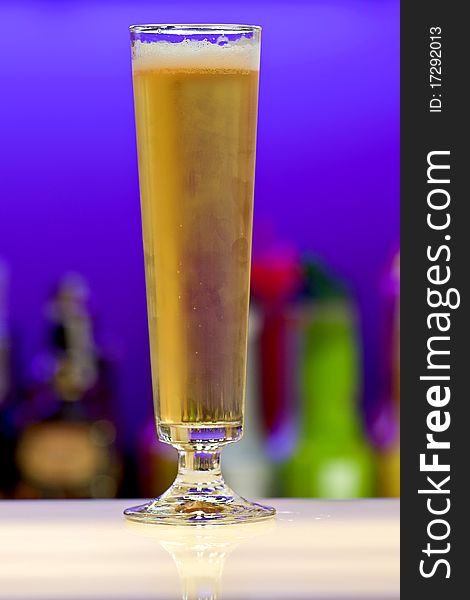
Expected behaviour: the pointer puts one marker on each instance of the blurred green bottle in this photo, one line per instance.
(332, 458)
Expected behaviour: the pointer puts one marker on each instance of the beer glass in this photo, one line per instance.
(196, 96)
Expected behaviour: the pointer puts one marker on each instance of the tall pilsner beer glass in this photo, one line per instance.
(196, 95)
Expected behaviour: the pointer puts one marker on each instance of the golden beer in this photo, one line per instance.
(196, 133)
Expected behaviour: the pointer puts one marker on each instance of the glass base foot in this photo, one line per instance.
(198, 508)
(199, 496)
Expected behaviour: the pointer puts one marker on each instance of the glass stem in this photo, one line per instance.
(199, 467)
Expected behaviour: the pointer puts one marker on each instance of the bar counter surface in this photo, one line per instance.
(313, 549)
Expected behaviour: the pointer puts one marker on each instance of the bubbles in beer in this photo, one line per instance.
(196, 131)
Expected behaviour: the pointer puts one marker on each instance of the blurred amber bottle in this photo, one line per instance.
(66, 436)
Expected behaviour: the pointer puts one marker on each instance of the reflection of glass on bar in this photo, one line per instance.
(196, 108)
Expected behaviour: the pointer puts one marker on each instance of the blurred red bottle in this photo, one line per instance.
(276, 281)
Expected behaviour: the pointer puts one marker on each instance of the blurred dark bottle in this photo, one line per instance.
(5, 382)
(7, 392)
(66, 444)
(332, 458)
(386, 418)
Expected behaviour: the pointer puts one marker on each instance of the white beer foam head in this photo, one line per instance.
(193, 54)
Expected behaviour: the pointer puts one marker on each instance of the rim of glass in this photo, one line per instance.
(181, 29)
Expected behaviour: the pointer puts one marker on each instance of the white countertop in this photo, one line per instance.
(313, 549)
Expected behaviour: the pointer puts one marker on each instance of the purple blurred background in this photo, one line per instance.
(327, 169)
